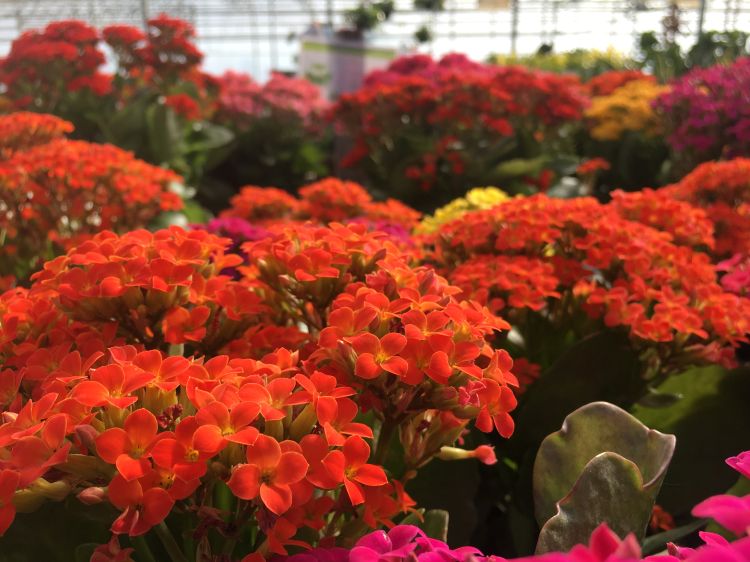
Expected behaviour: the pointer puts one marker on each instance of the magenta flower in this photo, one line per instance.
(730, 512)
(741, 463)
(721, 551)
(407, 542)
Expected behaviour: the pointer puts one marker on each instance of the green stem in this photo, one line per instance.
(229, 545)
(171, 546)
(387, 430)
(142, 548)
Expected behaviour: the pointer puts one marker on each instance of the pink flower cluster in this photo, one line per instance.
(243, 98)
(707, 114)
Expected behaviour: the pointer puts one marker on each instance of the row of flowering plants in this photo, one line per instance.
(303, 371)
(425, 130)
(136, 373)
(162, 106)
(422, 130)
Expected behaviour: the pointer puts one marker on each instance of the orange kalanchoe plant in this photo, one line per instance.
(60, 192)
(130, 377)
(327, 200)
(721, 189)
(688, 225)
(592, 269)
(23, 130)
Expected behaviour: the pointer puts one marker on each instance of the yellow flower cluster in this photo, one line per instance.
(585, 62)
(628, 108)
(476, 199)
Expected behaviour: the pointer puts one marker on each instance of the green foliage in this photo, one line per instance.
(429, 5)
(368, 15)
(586, 63)
(711, 422)
(40, 536)
(666, 60)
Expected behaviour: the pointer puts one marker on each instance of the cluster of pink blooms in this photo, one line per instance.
(242, 98)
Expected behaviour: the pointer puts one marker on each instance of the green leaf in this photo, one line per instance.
(602, 466)
(610, 489)
(600, 367)
(711, 422)
(195, 214)
(127, 127)
(658, 542)
(449, 486)
(165, 135)
(435, 524)
(209, 136)
(656, 399)
(521, 167)
(41, 536)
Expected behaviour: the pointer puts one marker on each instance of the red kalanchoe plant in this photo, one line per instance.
(44, 70)
(443, 126)
(687, 224)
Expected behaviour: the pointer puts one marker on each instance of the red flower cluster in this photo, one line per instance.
(607, 82)
(184, 106)
(165, 52)
(586, 258)
(438, 120)
(324, 201)
(688, 225)
(91, 404)
(23, 130)
(61, 191)
(721, 189)
(592, 166)
(41, 65)
(162, 61)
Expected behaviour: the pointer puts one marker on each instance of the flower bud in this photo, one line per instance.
(484, 453)
(87, 436)
(92, 495)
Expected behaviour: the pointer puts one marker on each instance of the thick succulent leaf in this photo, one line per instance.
(590, 430)
(600, 367)
(610, 490)
(435, 524)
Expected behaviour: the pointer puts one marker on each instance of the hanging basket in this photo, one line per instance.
(492, 5)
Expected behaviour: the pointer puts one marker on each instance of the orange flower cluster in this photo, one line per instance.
(327, 200)
(688, 225)
(584, 257)
(23, 130)
(129, 375)
(393, 331)
(607, 82)
(54, 194)
(722, 190)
